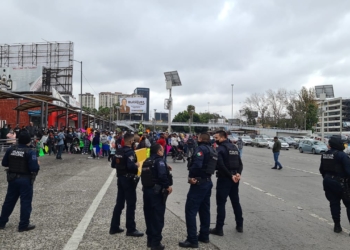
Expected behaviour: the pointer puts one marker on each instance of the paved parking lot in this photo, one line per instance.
(283, 209)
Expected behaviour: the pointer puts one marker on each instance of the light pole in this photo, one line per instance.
(154, 127)
(232, 103)
(80, 116)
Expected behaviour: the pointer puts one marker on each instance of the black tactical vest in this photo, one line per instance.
(121, 161)
(17, 160)
(210, 164)
(330, 165)
(233, 162)
(147, 178)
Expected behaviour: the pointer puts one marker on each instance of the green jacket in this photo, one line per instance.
(276, 146)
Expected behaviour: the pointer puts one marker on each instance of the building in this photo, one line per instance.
(161, 117)
(144, 92)
(88, 100)
(108, 99)
(336, 116)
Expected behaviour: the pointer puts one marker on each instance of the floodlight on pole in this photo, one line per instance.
(172, 79)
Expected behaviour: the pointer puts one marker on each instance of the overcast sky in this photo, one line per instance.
(255, 45)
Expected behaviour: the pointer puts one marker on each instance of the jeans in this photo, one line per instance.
(18, 188)
(334, 194)
(52, 149)
(227, 188)
(154, 210)
(275, 157)
(198, 201)
(126, 193)
(59, 151)
(240, 152)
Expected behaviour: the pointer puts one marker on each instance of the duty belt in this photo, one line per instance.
(337, 178)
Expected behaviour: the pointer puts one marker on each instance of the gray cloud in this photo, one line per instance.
(255, 45)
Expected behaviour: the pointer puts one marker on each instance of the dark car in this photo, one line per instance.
(288, 140)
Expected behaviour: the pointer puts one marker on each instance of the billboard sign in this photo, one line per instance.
(24, 79)
(133, 105)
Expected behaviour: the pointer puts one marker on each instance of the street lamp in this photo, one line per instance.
(154, 125)
(232, 103)
(80, 116)
(191, 120)
(172, 79)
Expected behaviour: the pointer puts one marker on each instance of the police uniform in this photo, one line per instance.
(335, 170)
(22, 164)
(198, 197)
(124, 161)
(155, 179)
(229, 164)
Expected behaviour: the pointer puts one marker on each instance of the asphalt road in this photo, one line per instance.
(282, 209)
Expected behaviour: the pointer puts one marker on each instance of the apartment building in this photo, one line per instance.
(336, 115)
(87, 100)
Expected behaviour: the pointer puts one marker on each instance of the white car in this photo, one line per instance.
(284, 145)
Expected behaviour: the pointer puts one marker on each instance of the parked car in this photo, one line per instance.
(247, 140)
(312, 146)
(288, 140)
(259, 143)
(298, 138)
(263, 137)
(284, 145)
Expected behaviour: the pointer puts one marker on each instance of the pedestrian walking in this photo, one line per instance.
(276, 152)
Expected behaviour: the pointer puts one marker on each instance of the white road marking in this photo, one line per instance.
(297, 207)
(77, 236)
(305, 171)
(329, 223)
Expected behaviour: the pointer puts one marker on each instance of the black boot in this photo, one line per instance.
(337, 227)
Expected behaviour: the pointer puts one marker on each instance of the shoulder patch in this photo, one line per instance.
(199, 154)
(34, 157)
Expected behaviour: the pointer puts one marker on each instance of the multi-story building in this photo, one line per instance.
(108, 99)
(87, 100)
(162, 117)
(336, 115)
(144, 92)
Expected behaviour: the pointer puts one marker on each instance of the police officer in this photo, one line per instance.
(23, 166)
(201, 166)
(125, 163)
(156, 181)
(335, 170)
(229, 173)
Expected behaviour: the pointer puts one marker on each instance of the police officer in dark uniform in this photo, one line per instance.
(23, 167)
(229, 173)
(156, 182)
(125, 162)
(335, 170)
(201, 166)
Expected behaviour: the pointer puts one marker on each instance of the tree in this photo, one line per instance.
(258, 103)
(249, 114)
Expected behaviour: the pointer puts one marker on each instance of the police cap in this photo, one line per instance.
(24, 138)
(336, 143)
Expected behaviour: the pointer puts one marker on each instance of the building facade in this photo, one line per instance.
(88, 100)
(162, 117)
(336, 116)
(144, 92)
(108, 99)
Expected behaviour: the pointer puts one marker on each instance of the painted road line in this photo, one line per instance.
(77, 236)
(302, 170)
(297, 207)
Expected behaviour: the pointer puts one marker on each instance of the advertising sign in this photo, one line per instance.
(23, 78)
(57, 95)
(133, 105)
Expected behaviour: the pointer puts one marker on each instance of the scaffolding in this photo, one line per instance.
(56, 58)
